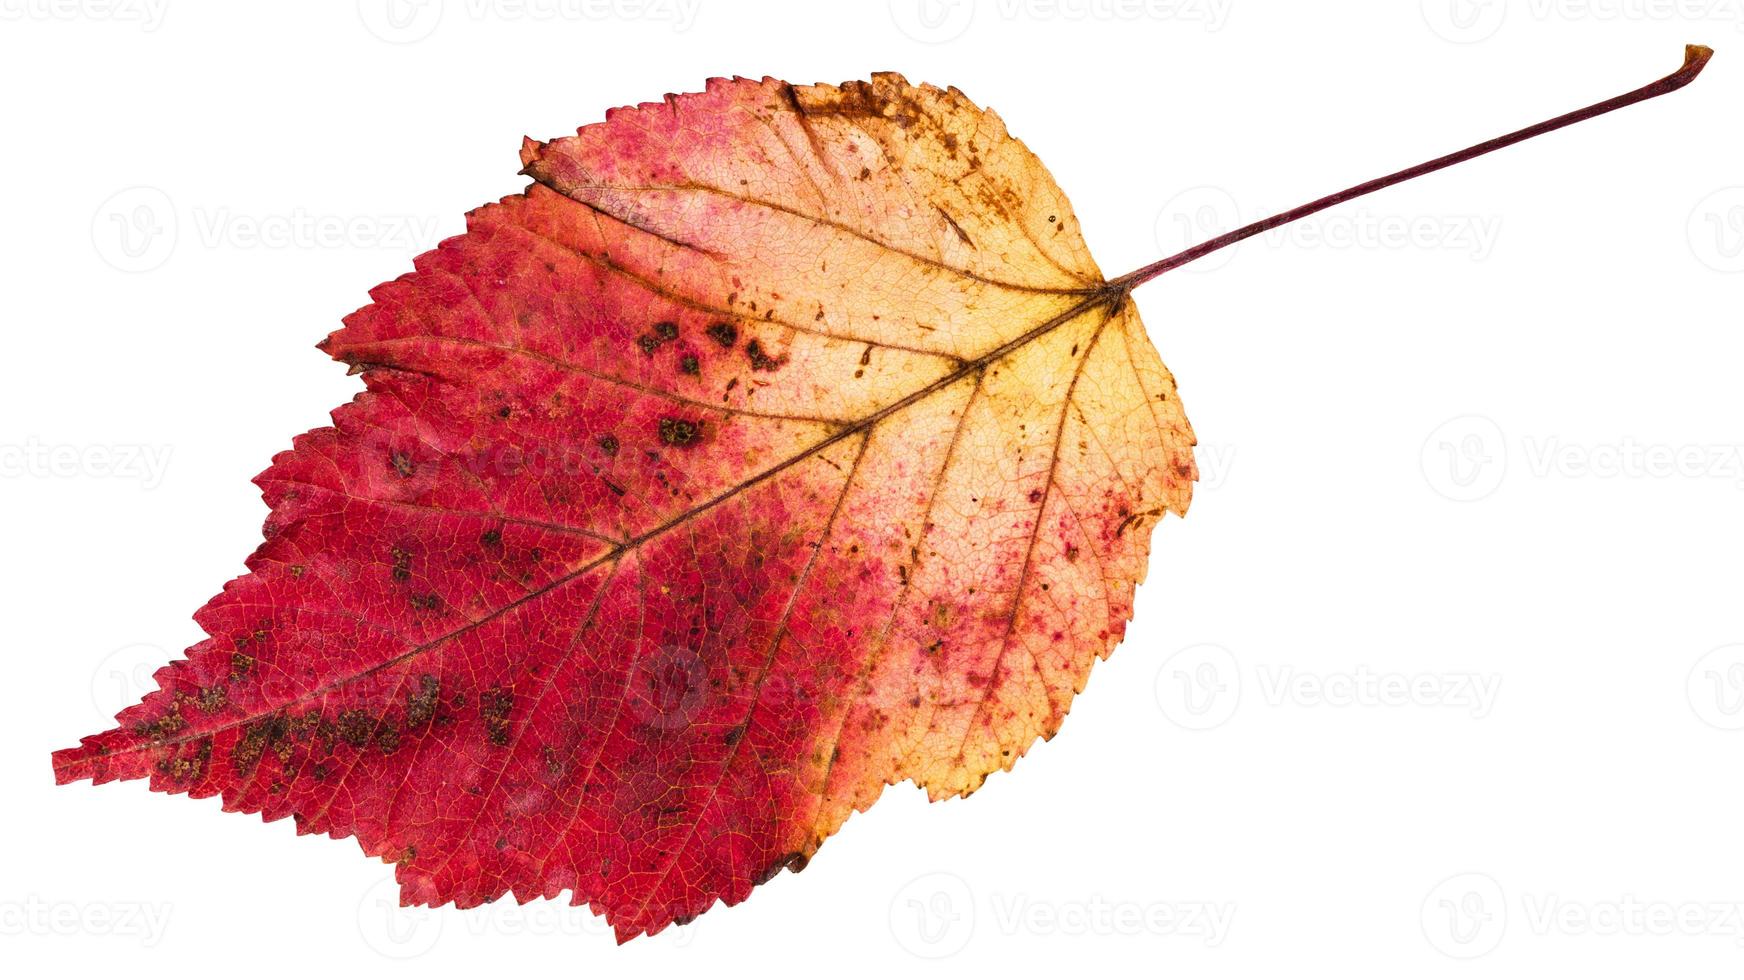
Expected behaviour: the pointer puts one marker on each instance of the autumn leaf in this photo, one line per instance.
(778, 444)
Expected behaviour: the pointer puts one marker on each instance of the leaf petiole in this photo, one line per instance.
(1695, 58)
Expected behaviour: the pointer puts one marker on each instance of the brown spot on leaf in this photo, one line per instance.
(762, 360)
(355, 727)
(421, 704)
(679, 432)
(167, 724)
(213, 698)
(724, 334)
(794, 862)
(494, 706)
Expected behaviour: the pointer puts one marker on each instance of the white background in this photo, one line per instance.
(1423, 687)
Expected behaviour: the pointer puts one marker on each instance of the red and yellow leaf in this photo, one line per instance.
(777, 444)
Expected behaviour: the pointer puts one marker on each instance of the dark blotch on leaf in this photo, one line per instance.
(494, 705)
(421, 704)
(794, 862)
(664, 331)
(724, 334)
(679, 432)
(761, 359)
(355, 727)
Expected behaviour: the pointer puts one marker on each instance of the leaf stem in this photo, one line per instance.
(1695, 58)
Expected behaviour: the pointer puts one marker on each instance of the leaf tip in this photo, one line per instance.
(531, 151)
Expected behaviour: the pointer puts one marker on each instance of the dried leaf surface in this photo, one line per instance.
(778, 444)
